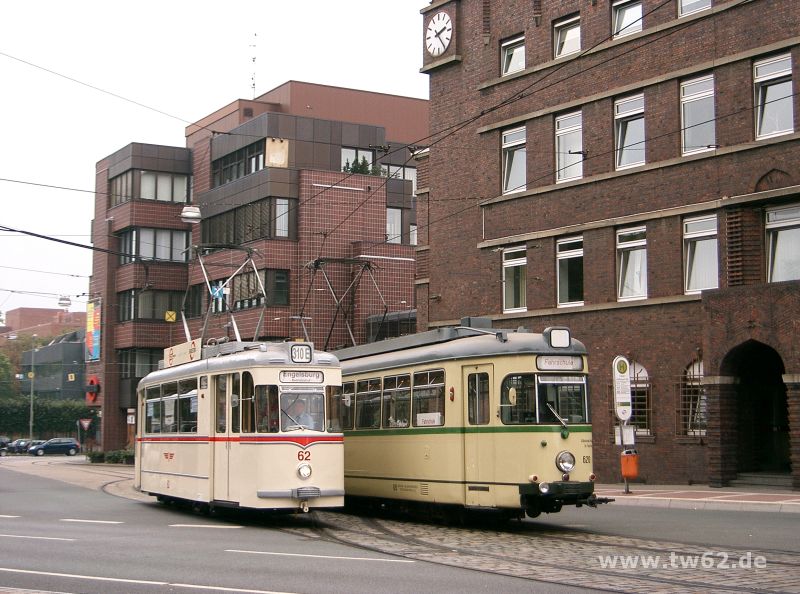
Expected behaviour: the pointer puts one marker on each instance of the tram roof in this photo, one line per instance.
(240, 355)
(452, 343)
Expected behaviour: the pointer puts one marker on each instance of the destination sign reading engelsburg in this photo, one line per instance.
(302, 377)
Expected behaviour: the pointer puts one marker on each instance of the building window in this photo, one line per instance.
(629, 131)
(512, 56)
(120, 188)
(567, 37)
(627, 17)
(164, 245)
(243, 162)
(265, 219)
(412, 235)
(394, 225)
(569, 259)
(514, 160)
(357, 160)
(700, 254)
(697, 115)
(632, 263)
(147, 304)
(246, 289)
(514, 267)
(137, 363)
(148, 185)
(773, 96)
(569, 147)
(691, 6)
(641, 399)
(402, 172)
(692, 404)
(783, 238)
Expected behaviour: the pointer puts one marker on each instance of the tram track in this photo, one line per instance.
(572, 559)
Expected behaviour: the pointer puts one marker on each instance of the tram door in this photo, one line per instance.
(477, 381)
(221, 441)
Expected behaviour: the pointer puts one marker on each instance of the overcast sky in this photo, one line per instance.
(181, 59)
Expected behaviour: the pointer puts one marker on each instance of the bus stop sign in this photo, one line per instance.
(622, 388)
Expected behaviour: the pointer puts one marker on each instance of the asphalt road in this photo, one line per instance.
(59, 537)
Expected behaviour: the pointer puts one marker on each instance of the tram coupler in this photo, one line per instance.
(593, 500)
(304, 506)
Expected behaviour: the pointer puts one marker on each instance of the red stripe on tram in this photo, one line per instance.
(298, 440)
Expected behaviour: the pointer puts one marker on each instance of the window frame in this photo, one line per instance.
(512, 147)
(508, 54)
(624, 248)
(520, 281)
(687, 99)
(561, 155)
(565, 25)
(682, 12)
(568, 254)
(618, 8)
(690, 239)
(622, 118)
(764, 82)
(773, 229)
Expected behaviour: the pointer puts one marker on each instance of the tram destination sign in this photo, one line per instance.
(559, 363)
(301, 377)
(184, 352)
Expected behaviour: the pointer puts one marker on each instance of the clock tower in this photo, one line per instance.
(440, 34)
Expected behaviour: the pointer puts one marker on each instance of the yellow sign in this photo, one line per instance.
(30, 375)
(70, 377)
(170, 316)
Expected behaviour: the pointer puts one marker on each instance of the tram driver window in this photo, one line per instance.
(564, 395)
(517, 399)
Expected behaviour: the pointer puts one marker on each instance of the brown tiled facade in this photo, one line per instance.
(741, 415)
(335, 229)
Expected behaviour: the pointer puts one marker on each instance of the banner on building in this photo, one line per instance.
(93, 311)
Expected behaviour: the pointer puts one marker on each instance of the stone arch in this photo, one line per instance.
(772, 180)
(761, 420)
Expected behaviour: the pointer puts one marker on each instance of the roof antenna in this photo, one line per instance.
(253, 76)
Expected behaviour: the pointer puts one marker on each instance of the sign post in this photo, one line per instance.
(623, 408)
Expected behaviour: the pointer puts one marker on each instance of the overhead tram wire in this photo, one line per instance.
(445, 132)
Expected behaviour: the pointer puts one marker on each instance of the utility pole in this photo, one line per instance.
(33, 378)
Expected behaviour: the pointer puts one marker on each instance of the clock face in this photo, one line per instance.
(438, 34)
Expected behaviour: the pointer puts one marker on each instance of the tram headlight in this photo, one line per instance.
(544, 488)
(565, 461)
(304, 470)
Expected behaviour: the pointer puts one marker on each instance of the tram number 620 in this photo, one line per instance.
(302, 455)
(587, 459)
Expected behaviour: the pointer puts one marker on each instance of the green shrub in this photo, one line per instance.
(96, 457)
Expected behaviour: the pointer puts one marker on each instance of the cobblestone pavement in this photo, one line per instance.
(613, 563)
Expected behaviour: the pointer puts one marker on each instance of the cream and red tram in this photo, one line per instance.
(468, 417)
(227, 429)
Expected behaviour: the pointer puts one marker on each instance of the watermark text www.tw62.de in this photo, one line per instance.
(706, 560)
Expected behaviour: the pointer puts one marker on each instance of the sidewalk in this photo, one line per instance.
(703, 497)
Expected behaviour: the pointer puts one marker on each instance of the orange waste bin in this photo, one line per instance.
(629, 461)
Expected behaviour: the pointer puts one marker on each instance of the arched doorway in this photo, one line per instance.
(762, 418)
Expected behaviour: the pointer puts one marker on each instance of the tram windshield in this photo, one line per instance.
(527, 399)
(302, 410)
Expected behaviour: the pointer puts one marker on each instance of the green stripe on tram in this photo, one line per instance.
(461, 430)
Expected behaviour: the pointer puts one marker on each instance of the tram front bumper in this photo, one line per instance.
(549, 497)
(300, 493)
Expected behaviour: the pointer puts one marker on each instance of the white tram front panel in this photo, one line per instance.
(230, 431)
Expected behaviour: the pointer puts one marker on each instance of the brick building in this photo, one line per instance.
(333, 248)
(629, 169)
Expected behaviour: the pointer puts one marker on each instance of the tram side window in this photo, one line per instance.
(428, 398)
(236, 392)
(153, 411)
(221, 403)
(478, 398)
(266, 409)
(396, 401)
(340, 406)
(368, 404)
(247, 406)
(187, 405)
(517, 399)
(567, 399)
(169, 412)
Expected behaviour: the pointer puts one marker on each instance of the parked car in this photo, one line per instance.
(18, 446)
(57, 445)
(4, 441)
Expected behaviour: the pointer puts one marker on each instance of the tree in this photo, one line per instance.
(8, 382)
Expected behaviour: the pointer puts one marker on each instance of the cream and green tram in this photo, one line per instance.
(468, 417)
(241, 425)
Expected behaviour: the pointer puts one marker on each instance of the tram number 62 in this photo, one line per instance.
(302, 455)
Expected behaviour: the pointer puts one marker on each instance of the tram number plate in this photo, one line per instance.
(303, 455)
(587, 459)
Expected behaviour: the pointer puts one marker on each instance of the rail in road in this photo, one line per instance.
(520, 549)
